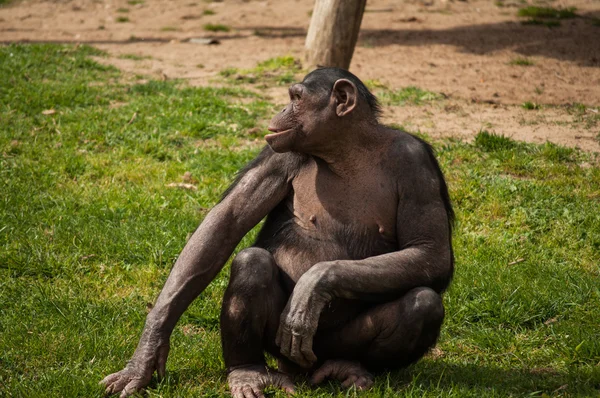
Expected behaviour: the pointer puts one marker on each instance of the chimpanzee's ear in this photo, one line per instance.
(344, 93)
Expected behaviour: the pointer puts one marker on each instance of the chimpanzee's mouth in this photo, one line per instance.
(276, 134)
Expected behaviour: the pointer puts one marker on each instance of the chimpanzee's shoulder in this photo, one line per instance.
(287, 161)
(270, 163)
(408, 150)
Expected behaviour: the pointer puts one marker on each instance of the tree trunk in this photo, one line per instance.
(333, 32)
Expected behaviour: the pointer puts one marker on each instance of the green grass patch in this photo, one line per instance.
(208, 12)
(547, 12)
(279, 70)
(408, 96)
(587, 115)
(375, 84)
(135, 57)
(123, 10)
(546, 16)
(492, 142)
(122, 19)
(530, 105)
(521, 62)
(89, 230)
(135, 2)
(169, 29)
(216, 27)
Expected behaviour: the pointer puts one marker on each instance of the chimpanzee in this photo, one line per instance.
(347, 272)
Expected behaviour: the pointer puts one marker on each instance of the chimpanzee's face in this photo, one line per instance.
(302, 124)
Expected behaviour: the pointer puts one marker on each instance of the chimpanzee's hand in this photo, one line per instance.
(150, 355)
(300, 318)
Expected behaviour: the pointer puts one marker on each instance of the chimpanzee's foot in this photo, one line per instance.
(349, 373)
(250, 381)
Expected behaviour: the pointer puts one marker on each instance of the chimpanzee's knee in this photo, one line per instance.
(253, 268)
(409, 327)
(428, 305)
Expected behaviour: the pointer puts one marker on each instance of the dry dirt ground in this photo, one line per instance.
(462, 49)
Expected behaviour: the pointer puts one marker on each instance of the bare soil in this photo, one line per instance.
(462, 49)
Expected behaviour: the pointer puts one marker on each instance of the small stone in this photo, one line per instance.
(202, 40)
(313, 218)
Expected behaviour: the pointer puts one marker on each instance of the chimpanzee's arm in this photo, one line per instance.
(257, 190)
(424, 258)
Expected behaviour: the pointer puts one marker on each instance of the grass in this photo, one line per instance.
(208, 12)
(122, 19)
(408, 95)
(530, 105)
(216, 27)
(124, 10)
(589, 116)
(135, 57)
(375, 84)
(547, 16)
(279, 70)
(169, 29)
(89, 230)
(521, 62)
(404, 96)
(135, 2)
(547, 12)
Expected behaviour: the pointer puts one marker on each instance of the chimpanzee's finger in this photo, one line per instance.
(278, 336)
(161, 361)
(134, 386)
(248, 393)
(236, 392)
(349, 381)
(282, 381)
(285, 343)
(108, 380)
(117, 385)
(363, 383)
(258, 392)
(321, 374)
(295, 349)
(307, 350)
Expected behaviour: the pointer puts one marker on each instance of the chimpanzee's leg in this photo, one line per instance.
(252, 305)
(390, 335)
(253, 300)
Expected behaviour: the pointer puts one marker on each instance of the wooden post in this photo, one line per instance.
(333, 32)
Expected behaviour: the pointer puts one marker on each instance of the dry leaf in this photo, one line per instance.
(182, 186)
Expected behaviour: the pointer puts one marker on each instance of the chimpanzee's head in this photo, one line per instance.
(322, 104)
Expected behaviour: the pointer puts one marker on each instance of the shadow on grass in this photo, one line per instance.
(516, 381)
(427, 375)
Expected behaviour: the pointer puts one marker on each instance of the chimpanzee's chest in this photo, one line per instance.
(329, 218)
(362, 206)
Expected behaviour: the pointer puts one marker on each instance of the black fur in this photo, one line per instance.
(443, 187)
(445, 195)
(324, 79)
